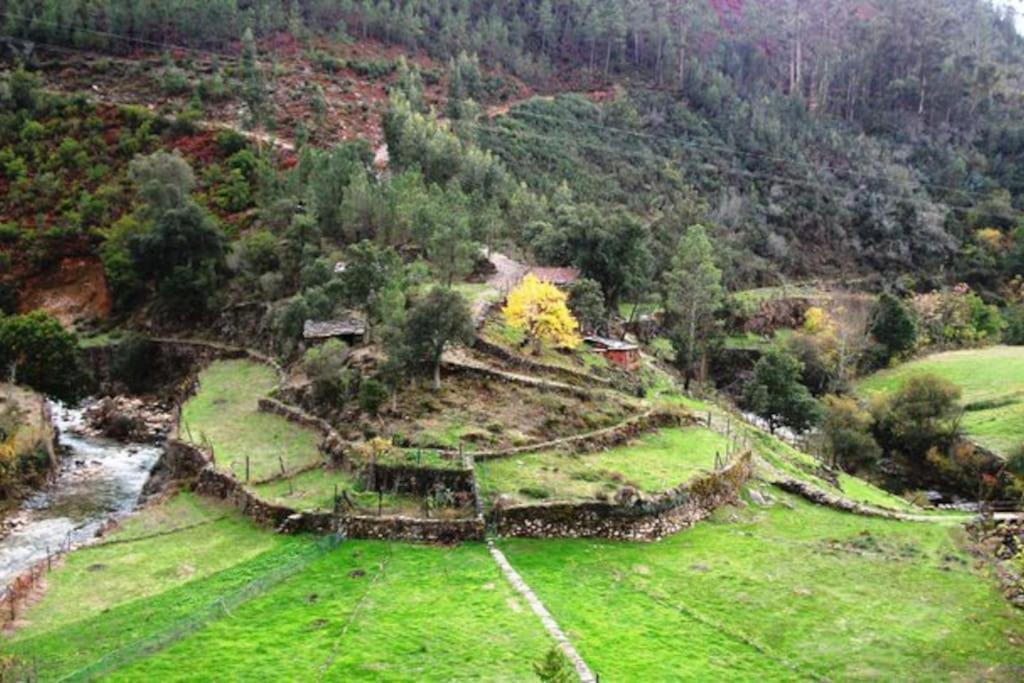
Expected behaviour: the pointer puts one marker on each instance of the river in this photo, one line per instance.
(98, 479)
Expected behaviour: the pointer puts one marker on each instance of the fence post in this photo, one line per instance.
(247, 469)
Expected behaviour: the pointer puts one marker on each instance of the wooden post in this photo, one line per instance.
(247, 469)
(380, 502)
(49, 564)
(280, 460)
(709, 419)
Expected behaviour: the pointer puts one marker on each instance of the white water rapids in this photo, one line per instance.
(98, 479)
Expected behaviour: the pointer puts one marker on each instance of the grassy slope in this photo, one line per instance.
(225, 412)
(992, 376)
(654, 463)
(417, 613)
(789, 460)
(778, 595)
(314, 490)
(107, 596)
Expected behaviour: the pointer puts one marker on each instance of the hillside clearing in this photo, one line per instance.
(992, 380)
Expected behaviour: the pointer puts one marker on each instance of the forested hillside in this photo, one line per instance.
(818, 138)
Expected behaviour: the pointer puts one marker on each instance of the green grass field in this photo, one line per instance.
(225, 413)
(360, 611)
(653, 463)
(774, 594)
(992, 380)
(314, 490)
(190, 591)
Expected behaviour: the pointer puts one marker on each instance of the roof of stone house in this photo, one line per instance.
(611, 344)
(326, 329)
(555, 276)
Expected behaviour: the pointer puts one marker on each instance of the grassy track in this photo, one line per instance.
(992, 380)
(778, 594)
(225, 412)
(654, 463)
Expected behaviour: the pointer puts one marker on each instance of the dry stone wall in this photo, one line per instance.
(183, 461)
(522, 363)
(444, 531)
(602, 438)
(418, 481)
(333, 446)
(642, 520)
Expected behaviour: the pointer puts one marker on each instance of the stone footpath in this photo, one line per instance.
(550, 625)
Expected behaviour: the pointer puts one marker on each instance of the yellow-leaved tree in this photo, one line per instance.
(541, 310)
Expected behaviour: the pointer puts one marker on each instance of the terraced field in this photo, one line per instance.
(653, 463)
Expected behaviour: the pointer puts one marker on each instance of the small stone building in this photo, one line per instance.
(349, 330)
(621, 353)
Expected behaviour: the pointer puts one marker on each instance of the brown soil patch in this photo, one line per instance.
(75, 291)
(486, 414)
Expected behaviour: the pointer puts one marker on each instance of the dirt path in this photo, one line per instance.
(507, 272)
(550, 625)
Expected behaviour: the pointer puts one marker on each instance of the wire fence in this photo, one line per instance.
(217, 609)
(222, 606)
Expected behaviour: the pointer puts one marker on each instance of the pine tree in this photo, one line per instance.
(692, 292)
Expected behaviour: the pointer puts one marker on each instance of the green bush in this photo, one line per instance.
(10, 233)
(32, 130)
(230, 142)
(372, 395)
(373, 69)
(1014, 333)
(174, 81)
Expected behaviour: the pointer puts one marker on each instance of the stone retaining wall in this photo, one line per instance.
(644, 520)
(417, 481)
(522, 363)
(483, 371)
(225, 487)
(602, 438)
(446, 531)
(184, 461)
(333, 446)
(819, 497)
